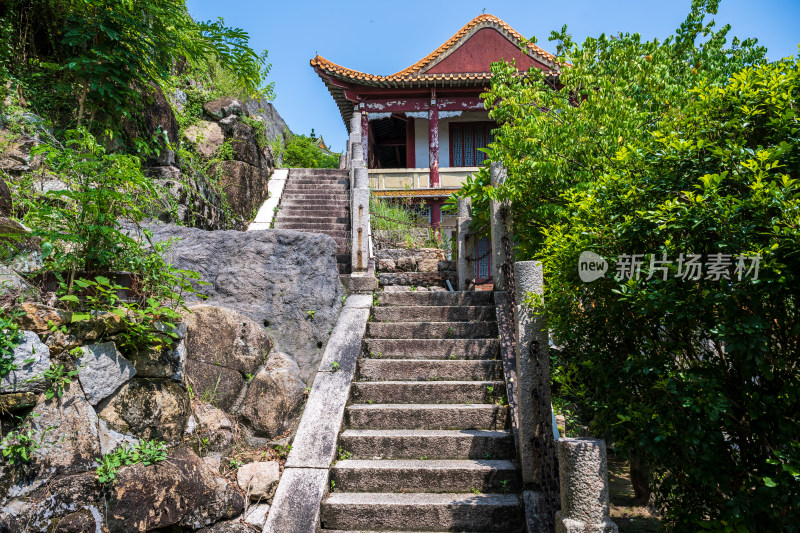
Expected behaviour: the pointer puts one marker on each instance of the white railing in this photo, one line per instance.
(417, 178)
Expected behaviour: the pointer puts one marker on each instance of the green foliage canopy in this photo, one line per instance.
(686, 146)
(303, 152)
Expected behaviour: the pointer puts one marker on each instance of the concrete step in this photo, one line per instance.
(427, 391)
(315, 185)
(430, 475)
(434, 444)
(429, 369)
(321, 181)
(326, 219)
(437, 298)
(430, 313)
(432, 348)
(431, 330)
(426, 416)
(319, 172)
(313, 225)
(422, 511)
(330, 206)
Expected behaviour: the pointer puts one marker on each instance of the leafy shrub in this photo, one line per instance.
(19, 445)
(9, 339)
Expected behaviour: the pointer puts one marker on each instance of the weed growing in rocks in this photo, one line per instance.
(19, 445)
(146, 452)
(9, 339)
(59, 378)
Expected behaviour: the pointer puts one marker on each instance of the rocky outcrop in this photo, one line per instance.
(179, 491)
(285, 280)
(275, 397)
(241, 175)
(156, 117)
(275, 125)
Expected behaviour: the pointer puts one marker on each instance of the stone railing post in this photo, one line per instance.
(536, 442)
(583, 471)
(359, 199)
(466, 245)
(499, 230)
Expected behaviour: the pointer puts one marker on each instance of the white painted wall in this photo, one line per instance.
(421, 137)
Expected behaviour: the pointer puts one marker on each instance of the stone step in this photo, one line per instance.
(427, 391)
(430, 475)
(426, 416)
(429, 370)
(316, 186)
(323, 180)
(430, 313)
(432, 348)
(308, 205)
(437, 298)
(313, 225)
(326, 219)
(422, 511)
(431, 330)
(319, 172)
(434, 444)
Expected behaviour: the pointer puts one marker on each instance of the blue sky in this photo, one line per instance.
(383, 37)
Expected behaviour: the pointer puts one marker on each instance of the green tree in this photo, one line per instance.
(689, 146)
(303, 152)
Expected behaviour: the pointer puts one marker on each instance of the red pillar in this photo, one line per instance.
(433, 142)
(365, 136)
(411, 155)
(436, 213)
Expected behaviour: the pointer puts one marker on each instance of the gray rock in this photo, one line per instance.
(275, 125)
(275, 397)
(256, 515)
(259, 480)
(245, 186)
(224, 337)
(32, 359)
(110, 440)
(102, 371)
(224, 107)
(70, 436)
(179, 100)
(228, 526)
(148, 409)
(158, 362)
(12, 286)
(273, 277)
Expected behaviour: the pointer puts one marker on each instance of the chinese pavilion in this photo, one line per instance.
(422, 127)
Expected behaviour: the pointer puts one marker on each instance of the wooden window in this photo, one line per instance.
(465, 140)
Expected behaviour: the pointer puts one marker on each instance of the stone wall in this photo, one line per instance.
(416, 266)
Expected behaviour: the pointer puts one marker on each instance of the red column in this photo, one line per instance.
(433, 142)
(365, 136)
(436, 213)
(411, 155)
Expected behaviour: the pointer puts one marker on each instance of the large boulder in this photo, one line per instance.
(273, 277)
(158, 116)
(224, 337)
(207, 136)
(101, 370)
(70, 441)
(32, 359)
(275, 125)
(148, 409)
(12, 286)
(215, 384)
(180, 491)
(275, 397)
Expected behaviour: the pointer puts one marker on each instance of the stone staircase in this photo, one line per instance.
(425, 444)
(318, 200)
